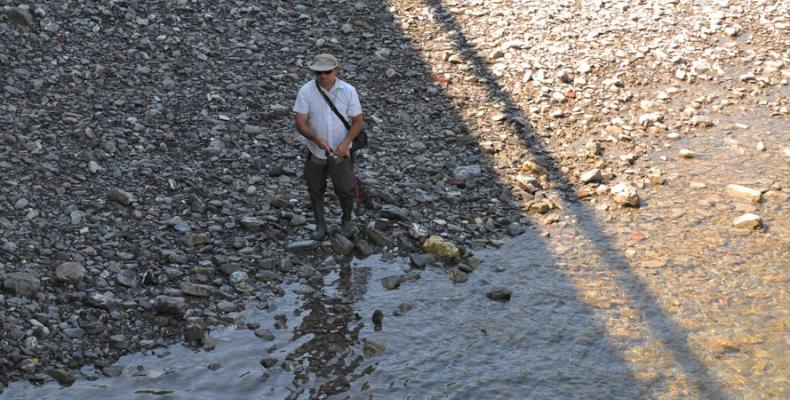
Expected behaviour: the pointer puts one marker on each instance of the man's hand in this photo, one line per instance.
(342, 149)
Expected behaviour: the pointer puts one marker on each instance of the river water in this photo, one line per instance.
(667, 302)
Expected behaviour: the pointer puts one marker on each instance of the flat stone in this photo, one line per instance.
(744, 193)
(395, 213)
(197, 290)
(302, 246)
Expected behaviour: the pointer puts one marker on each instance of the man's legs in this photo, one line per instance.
(315, 175)
(342, 174)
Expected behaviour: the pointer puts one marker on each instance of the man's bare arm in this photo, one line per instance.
(304, 129)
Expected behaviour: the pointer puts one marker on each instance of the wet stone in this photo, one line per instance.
(457, 276)
(499, 294)
(422, 260)
(265, 334)
(63, 377)
(391, 282)
(402, 309)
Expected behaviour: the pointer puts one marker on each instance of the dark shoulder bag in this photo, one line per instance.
(361, 141)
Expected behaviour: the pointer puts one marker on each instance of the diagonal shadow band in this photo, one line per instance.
(673, 336)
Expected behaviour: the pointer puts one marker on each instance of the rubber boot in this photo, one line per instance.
(320, 219)
(347, 228)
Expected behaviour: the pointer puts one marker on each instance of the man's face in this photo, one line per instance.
(326, 78)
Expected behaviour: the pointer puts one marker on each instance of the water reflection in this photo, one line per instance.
(328, 359)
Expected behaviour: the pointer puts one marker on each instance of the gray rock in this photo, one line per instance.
(70, 272)
(269, 362)
(265, 334)
(194, 330)
(593, 175)
(169, 305)
(372, 347)
(121, 196)
(302, 246)
(63, 377)
(395, 213)
(402, 309)
(127, 278)
(196, 239)
(112, 371)
(422, 260)
(20, 16)
(457, 276)
(341, 245)
(22, 283)
(197, 290)
(253, 224)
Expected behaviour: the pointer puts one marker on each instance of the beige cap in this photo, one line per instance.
(323, 62)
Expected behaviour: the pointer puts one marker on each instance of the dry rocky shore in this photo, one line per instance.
(151, 174)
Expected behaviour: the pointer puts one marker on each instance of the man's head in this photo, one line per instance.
(325, 67)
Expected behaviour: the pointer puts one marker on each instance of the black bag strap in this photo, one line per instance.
(332, 105)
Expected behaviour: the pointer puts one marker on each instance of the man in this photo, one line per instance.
(328, 141)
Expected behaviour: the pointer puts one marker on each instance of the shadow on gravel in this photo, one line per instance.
(675, 338)
(557, 326)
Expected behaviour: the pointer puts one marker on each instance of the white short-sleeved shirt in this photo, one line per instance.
(320, 117)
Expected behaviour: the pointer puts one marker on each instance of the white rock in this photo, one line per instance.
(686, 153)
(744, 193)
(593, 175)
(625, 194)
(651, 118)
(747, 221)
